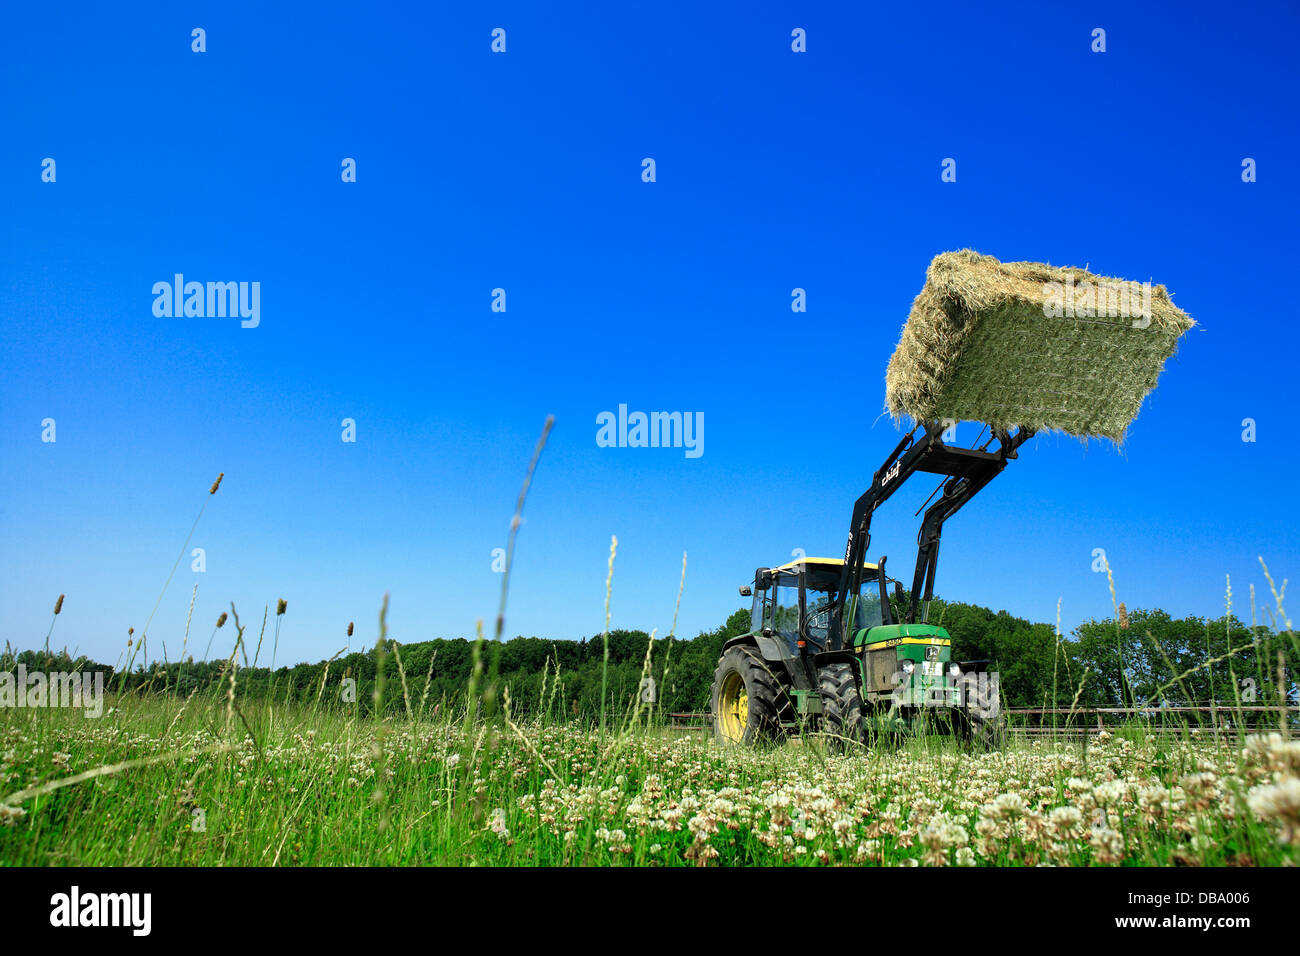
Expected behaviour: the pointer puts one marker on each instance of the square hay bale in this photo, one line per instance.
(1025, 344)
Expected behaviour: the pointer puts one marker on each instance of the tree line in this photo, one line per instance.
(1140, 658)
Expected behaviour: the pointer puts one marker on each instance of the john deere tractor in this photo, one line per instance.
(830, 651)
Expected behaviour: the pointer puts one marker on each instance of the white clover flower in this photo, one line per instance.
(1065, 820)
(1009, 806)
(1110, 792)
(1154, 801)
(1281, 802)
(1107, 844)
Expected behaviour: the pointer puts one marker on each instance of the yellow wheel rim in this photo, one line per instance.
(733, 707)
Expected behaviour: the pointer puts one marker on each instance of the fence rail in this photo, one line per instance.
(1091, 720)
(1212, 708)
(690, 721)
(1222, 718)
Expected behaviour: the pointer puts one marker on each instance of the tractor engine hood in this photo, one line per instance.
(896, 635)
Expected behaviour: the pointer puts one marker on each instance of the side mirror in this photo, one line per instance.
(898, 593)
(768, 632)
(746, 591)
(763, 578)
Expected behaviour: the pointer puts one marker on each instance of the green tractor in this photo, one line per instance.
(829, 650)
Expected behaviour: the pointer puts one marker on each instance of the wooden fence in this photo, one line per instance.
(1060, 721)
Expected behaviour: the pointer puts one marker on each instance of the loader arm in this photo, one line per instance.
(967, 471)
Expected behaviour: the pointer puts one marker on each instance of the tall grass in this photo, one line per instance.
(162, 781)
(223, 777)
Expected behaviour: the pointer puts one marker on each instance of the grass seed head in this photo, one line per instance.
(281, 606)
(216, 484)
(58, 605)
(221, 621)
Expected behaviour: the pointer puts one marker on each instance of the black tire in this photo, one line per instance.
(766, 702)
(841, 706)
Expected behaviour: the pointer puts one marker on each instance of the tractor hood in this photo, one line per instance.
(891, 635)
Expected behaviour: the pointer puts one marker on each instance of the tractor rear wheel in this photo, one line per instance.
(841, 706)
(748, 700)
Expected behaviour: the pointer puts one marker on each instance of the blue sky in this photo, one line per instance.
(522, 171)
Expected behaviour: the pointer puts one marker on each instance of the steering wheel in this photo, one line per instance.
(820, 620)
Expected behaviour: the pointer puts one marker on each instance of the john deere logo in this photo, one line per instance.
(932, 652)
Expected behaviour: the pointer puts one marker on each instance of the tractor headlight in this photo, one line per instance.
(907, 667)
(954, 671)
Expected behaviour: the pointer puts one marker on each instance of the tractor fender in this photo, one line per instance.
(769, 648)
(845, 656)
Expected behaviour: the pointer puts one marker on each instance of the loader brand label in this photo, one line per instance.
(891, 474)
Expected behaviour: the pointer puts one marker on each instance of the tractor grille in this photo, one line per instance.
(880, 666)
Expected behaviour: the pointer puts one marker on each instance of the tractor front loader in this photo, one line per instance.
(828, 650)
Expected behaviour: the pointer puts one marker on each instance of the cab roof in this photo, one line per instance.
(824, 562)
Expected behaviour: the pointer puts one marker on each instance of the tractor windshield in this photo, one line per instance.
(866, 606)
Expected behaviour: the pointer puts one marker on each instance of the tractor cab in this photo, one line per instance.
(796, 603)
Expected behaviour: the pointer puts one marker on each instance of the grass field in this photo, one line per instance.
(223, 777)
(170, 782)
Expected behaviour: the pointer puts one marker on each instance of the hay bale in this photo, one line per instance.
(1031, 345)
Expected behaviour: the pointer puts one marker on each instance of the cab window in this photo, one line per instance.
(761, 614)
(787, 611)
(817, 604)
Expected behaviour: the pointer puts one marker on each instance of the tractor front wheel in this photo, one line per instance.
(841, 706)
(747, 698)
